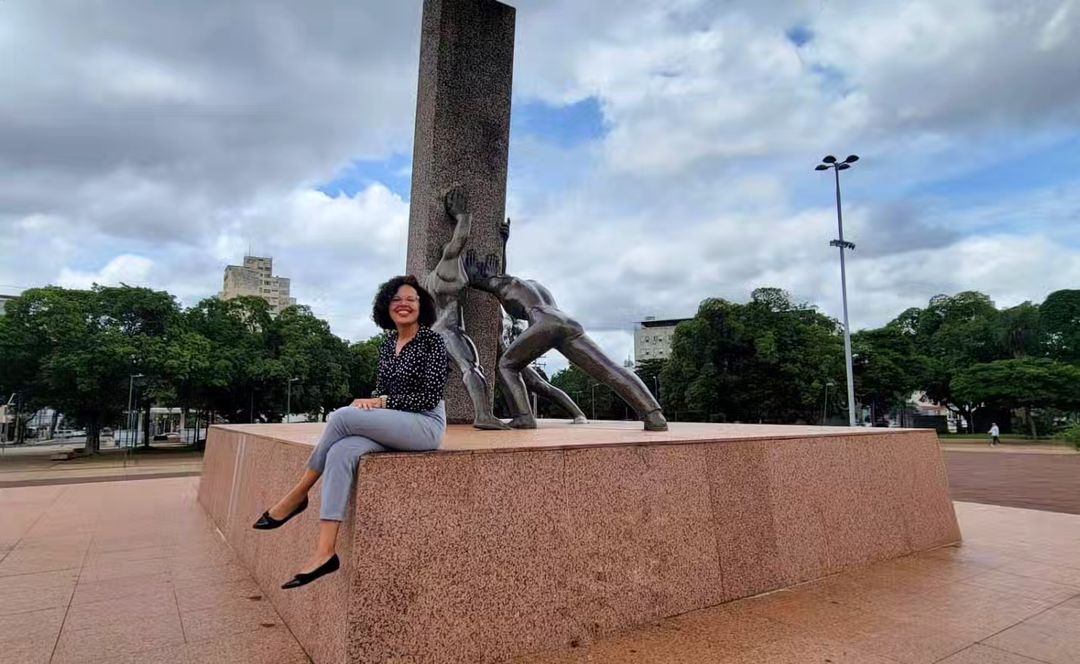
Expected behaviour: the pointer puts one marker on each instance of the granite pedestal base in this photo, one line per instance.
(505, 543)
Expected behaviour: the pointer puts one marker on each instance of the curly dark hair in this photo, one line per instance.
(380, 308)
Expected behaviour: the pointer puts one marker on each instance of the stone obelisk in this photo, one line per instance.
(462, 138)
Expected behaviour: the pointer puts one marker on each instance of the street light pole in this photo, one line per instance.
(288, 398)
(131, 389)
(538, 365)
(830, 162)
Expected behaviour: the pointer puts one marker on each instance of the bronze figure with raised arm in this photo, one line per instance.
(549, 327)
(447, 284)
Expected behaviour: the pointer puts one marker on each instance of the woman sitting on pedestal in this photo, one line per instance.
(406, 415)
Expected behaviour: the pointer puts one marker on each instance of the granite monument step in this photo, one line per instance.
(510, 542)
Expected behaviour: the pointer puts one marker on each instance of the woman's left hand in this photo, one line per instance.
(367, 404)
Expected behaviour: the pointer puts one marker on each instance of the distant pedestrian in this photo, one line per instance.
(994, 434)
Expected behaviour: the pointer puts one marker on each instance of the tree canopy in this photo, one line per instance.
(768, 360)
(771, 359)
(77, 350)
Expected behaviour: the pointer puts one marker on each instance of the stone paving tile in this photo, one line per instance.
(97, 556)
(29, 650)
(90, 592)
(122, 570)
(980, 654)
(972, 610)
(1053, 572)
(30, 636)
(218, 574)
(267, 646)
(171, 654)
(1025, 586)
(129, 610)
(111, 640)
(804, 650)
(1052, 636)
(28, 560)
(896, 637)
(209, 595)
(227, 618)
(33, 592)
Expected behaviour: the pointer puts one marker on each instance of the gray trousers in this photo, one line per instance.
(353, 432)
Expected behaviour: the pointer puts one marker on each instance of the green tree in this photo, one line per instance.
(150, 321)
(364, 366)
(321, 361)
(764, 361)
(650, 372)
(245, 381)
(1021, 383)
(887, 367)
(954, 333)
(74, 349)
(597, 400)
(1060, 319)
(1020, 331)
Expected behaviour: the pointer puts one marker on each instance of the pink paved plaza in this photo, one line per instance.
(135, 572)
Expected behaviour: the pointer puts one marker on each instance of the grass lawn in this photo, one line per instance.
(1006, 439)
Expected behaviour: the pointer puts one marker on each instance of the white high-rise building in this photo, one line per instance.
(255, 278)
(4, 299)
(652, 338)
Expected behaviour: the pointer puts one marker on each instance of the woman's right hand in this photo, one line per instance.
(367, 404)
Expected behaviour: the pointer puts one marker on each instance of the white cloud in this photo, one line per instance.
(126, 269)
(156, 144)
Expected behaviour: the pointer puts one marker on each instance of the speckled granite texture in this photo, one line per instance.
(462, 138)
(502, 545)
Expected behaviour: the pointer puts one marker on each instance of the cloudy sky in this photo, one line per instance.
(662, 151)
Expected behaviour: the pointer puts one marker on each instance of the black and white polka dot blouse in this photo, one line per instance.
(415, 379)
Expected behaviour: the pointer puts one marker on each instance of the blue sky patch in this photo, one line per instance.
(565, 126)
(561, 126)
(1037, 169)
(395, 172)
(799, 35)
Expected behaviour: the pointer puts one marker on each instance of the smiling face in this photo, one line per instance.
(405, 306)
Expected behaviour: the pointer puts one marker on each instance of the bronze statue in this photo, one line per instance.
(447, 284)
(549, 327)
(535, 382)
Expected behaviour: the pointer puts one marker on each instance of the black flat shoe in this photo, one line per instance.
(303, 579)
(267, 522)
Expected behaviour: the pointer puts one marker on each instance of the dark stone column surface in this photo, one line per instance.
(462, 138)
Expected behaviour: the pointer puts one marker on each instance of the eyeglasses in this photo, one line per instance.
(398, 299)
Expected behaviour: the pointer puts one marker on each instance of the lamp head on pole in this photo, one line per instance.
(829, 159)
(843, 167)
(821, 167)
(851, 159)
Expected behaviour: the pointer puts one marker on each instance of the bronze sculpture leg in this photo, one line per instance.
(533, 342)
(535, 382)
(461, 348)
(583, 352)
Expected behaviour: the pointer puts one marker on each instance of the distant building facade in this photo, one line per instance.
(652, 338)
(4, 299)
(255, 278)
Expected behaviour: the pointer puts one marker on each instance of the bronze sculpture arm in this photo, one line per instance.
(457, 206)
